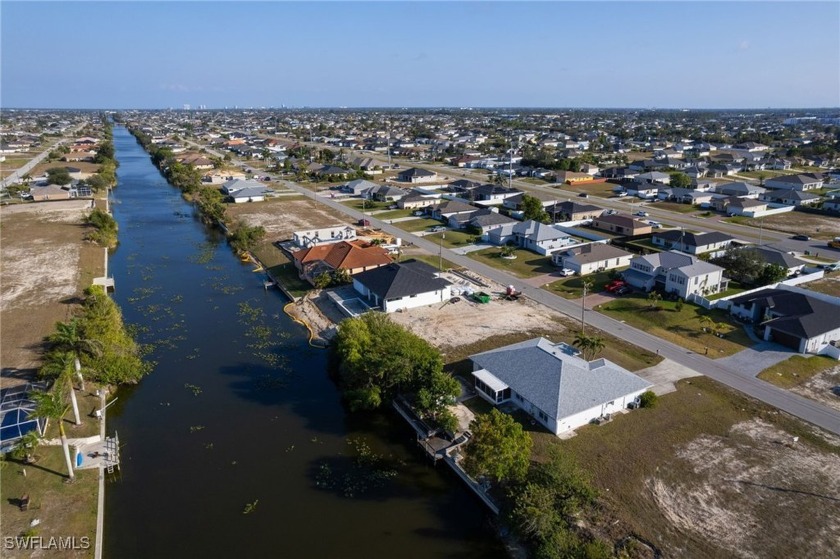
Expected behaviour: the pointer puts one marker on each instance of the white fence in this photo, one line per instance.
(789, 284)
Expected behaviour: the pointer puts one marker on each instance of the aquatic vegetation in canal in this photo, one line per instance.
(357, 474)
(196, 390)
(195, 428)
(250, 507)
(206, 251)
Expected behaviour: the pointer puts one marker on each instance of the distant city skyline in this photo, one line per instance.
(713, 55)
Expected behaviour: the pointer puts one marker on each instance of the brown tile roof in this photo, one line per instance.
(347, 255)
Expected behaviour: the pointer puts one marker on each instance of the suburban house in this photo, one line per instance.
(795, 182)
(531, 235)
(451, 207)
(791, 318)
(570, 177)
(49, 192)
(621, 225)
(515, 202)
(326, 235)
(733, 205)
(675, 272)
(384, 193)
(493, 194)
(787, 261)
(415, 175)
(832, 205)
(592, 257)
(691, 243)
(353, 256)
(643, 190)
(791, 197)
(400, 286)
(561, 391)
(241, 190)
(653, 177)
(573, 211)
(358, 187)
(740, 189)
(484, 220)
(416, 200)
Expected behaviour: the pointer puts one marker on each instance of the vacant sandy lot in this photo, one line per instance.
(824, 388)
(281, 217)
(752, 478)
(43, 253)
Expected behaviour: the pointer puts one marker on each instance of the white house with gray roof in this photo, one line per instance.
(561, 391)
(532, 235)
(675, 272)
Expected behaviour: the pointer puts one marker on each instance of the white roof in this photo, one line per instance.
(487, 378)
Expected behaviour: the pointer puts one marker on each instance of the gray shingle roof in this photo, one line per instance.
(393, 281)
(558, 383)
(801, 315)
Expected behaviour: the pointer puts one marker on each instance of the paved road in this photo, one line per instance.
(789, 402)
(14, 177)
(784, 400)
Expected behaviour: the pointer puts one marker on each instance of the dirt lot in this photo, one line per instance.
(829, 285)
(813, 225)
(755, 466)
(823, 387)
(281, 217)
(42, 261)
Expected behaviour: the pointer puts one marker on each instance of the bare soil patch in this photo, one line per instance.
(739, 478)
(40, 277)
(823, 387)
(281, 217)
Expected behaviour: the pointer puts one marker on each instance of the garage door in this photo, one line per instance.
(785, 339)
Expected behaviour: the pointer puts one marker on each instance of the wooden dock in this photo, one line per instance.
(438, 448)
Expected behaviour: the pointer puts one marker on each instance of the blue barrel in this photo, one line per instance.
(78, 458)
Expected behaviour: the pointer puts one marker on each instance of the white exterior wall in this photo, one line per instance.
(421, 300)
(813, 345)
(572, 422)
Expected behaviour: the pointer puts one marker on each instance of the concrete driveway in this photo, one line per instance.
(755, 359)
(663, 375)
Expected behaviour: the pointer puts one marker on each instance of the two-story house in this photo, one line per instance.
(675, 272)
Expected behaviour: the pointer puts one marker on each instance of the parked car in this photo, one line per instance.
(829, 267)
(623, 290)
(801, 238)
(621, 194)
(612, 212)
(615, 285)
(567, 272)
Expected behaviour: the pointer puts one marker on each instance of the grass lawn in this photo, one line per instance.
(419, 224)
(535, 180)
(281, 268)
(453, 239)
(393, 214)
(625, 454)
(366, 205)
(645, 246)
(676, 207)
(526, 264)
(572, 288)
(681, 327)
(734, 289)
(815, 225)
(796, 370)
(433, 261)
(768, 174)
(602, 189)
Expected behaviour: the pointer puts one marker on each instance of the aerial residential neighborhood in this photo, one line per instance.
(301, 276)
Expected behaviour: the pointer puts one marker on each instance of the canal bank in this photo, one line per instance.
(239, 409)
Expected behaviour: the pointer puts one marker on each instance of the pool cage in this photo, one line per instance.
(16, 410)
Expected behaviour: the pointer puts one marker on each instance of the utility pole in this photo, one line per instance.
(587, 284)
(440, 252)
(388, 144)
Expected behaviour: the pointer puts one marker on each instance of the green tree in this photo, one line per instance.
(648, 399)
(654, 297)
(771, 273)
(68, 336)
(500, 449)
(322, 281)
(589, 345)
(245, 237)
(680, 180)
(532, 208)
(439, 392)
(60, 366)
(59, 175)
(105, 228)
(51, 405)
(741, 264)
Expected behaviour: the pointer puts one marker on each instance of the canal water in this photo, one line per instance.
(237, 444)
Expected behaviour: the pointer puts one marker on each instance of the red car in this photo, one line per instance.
(615, 285)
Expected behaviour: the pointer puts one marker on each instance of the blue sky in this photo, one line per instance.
(425, 54)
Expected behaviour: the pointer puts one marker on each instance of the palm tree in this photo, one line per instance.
(68, 336)
(60, 366)
(706, 322)
(589, 345)
(51, 405)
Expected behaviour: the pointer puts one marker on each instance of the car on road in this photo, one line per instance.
(801, 238)
(641, 214)
(612, 212)
(655, 224)
(621, 194)
(583, 195)
(829, 267)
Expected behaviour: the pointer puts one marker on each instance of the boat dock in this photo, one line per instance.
(439, 448)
